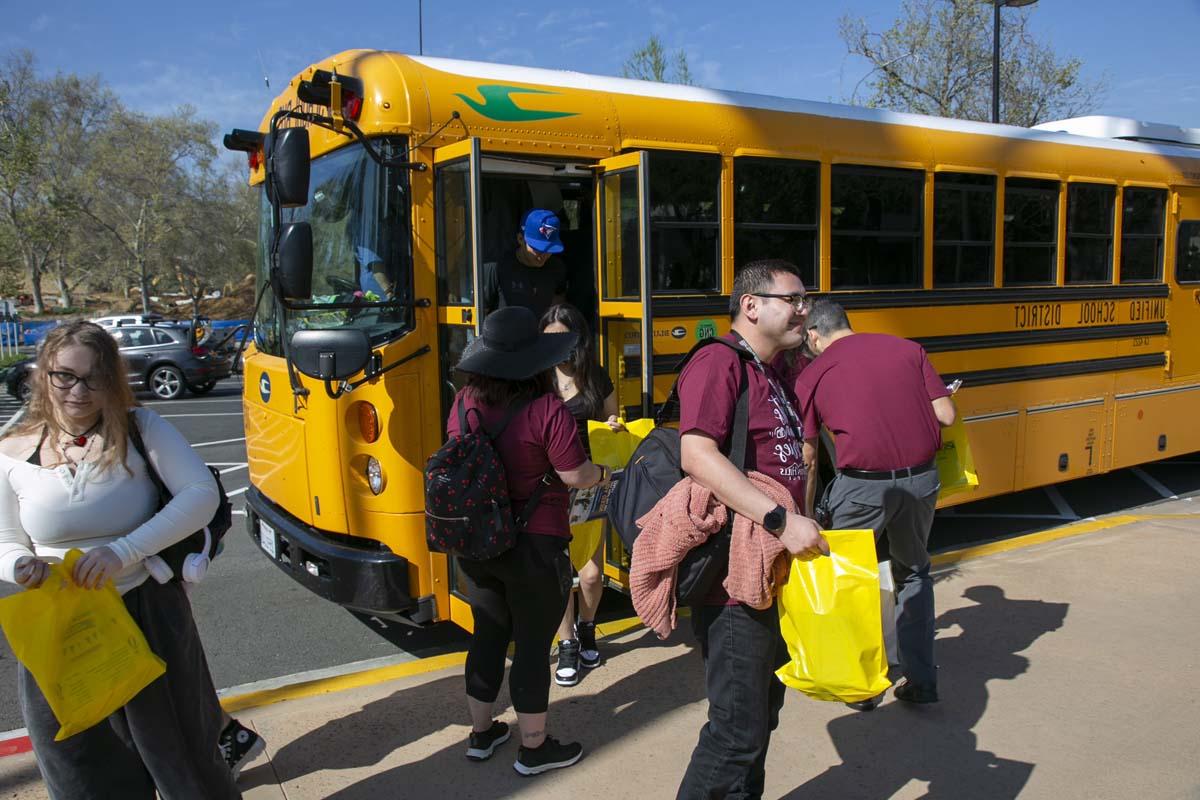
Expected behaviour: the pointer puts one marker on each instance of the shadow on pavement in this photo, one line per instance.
(884, 750)
(368, 736)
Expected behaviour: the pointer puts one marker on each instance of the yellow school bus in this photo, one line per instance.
(1056, 273)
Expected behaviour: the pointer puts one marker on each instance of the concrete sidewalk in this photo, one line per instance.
(1066, 671)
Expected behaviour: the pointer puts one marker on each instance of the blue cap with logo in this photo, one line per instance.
(541, 231)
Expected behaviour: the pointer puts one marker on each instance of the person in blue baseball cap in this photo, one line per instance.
(529, 275)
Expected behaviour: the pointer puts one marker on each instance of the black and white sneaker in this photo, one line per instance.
(239, 746)
(567, 672)
(481, 745)
(551, 755)
(589, 656)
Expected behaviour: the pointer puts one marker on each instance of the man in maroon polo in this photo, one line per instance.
(741, 646)
(885, 405)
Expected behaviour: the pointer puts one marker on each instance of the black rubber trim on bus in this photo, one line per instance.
(711, 304)
(983, 341)
(920, 298)
(991, 377)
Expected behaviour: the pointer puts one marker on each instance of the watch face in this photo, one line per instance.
(773, 521)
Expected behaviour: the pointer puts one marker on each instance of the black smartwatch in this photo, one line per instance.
(775, 520)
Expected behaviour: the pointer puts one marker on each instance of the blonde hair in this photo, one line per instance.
(116, 398)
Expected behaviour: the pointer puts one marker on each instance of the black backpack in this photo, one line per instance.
(468, 512)
(654, 469)
(189, 557)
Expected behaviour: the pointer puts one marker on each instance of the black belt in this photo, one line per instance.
(888, 474)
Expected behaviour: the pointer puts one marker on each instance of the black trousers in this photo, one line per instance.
(518, 596)
(164, 739)
(742, 648)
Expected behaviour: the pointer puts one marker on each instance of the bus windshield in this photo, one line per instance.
(362, 251)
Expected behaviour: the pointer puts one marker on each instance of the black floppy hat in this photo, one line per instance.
(511, 347)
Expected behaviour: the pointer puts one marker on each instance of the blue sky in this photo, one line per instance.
(158, 55)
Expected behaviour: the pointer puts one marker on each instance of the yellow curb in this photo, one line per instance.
(606, 630)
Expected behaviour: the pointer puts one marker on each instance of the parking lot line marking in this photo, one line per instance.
(176, 402)
(208, 414)
(236, 491)
(1153, 483)
(233, 469)
(220, 441)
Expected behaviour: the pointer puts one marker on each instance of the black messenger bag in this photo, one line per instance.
(654, 469)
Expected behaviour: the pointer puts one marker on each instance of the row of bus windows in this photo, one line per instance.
(876, 216)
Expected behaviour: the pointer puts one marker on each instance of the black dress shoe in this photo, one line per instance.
(911, 692)
(870, 704)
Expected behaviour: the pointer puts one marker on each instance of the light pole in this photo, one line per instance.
(996, 6)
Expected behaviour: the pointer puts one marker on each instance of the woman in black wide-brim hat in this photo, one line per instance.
(521, 593)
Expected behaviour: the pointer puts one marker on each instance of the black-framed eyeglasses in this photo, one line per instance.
(67, 380)
(797, 301)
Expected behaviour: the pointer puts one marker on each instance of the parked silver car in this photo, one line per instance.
(165, 359)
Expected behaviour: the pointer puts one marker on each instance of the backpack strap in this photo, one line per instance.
(135, 435)
(741, 413)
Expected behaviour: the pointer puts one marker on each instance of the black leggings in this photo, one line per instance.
(521, 596)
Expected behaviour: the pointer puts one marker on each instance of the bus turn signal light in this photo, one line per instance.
(368, 422)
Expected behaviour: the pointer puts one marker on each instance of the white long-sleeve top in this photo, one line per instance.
(47, 511)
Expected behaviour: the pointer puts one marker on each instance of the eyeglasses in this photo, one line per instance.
(798, 301)
(67, 380)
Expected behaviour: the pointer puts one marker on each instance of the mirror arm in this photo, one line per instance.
(372, 372)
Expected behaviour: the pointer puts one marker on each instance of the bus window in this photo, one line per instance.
(1187, 256)
(1142, 234)
(964, 213)
(454, 278)
(1030, 231)
(685, 254)
(1090, 232)
(876, 216)
(775, 212)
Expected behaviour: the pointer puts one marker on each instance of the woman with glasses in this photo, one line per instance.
(70, 478)
(589, 394)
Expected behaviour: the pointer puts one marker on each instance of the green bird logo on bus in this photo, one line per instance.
(498, 104)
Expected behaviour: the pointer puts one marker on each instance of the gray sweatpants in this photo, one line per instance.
(904, 509)
(165, 738)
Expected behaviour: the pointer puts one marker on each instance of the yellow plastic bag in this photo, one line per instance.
(86, 653)
(830, 618)
(955, 464)
(612, 449)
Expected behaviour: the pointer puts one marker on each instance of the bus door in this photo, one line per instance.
(458, 256)
(1185, 327)
(623, 281)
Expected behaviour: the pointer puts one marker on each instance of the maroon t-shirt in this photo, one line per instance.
(708, 392)
(540, 437)
(874, 392)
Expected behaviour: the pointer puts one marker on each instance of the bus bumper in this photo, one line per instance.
(360, 574)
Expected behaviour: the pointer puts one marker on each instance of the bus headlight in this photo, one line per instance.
(374, 475)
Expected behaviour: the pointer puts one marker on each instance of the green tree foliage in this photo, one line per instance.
(936, 59)
(653, 63)
(94, 196)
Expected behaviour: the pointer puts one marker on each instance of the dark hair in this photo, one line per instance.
(755, 277)
(583, 359)
(497, 392)
(827, 317)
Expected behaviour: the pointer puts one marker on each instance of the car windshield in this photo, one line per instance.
(362, 251)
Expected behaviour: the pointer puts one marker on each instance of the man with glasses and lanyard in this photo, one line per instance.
(741, 646)
(885, 405)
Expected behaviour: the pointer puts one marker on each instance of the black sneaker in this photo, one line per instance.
(481, 745)
(567, 673)
(589, 656)
(870, 704)
(239, 746)
(551, 755)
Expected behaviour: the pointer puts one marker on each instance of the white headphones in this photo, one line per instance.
(195, 565)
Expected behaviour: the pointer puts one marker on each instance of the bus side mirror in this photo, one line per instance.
(295, 260)
(330, 355)
(286, 154)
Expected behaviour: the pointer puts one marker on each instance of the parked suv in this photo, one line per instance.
(161, 358)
